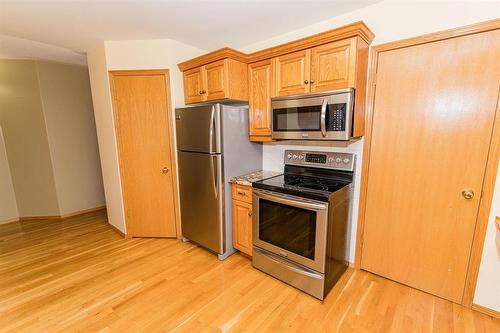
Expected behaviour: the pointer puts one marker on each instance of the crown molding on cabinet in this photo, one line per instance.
(225, 52)
(357, 29)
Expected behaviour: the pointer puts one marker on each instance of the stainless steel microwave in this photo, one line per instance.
(322, 116)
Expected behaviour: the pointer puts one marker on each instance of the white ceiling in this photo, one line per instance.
(79, 25)
(18, 48)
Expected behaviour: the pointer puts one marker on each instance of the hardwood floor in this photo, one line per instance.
(80, 275)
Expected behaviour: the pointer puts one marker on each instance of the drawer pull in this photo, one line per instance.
(241, 192)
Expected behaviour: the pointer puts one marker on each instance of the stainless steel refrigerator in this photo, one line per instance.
(213, 146)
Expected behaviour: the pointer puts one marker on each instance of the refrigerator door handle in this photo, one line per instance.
(211, 131)
(214, 175)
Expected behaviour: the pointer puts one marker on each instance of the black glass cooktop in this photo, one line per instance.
(312, 187)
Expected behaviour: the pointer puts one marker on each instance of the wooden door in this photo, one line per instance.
(261, 88)
(143, 132)
(292, 73)
(242, 226)
(216, 80)
(333, 65)
(194, 85)
(433, 115)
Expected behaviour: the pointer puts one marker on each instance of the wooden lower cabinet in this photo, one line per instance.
(242, 220)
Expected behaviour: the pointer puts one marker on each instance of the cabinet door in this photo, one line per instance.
(242, 226)
(333, 65)
(217, 80)
(292, 73)
(260, 87)
(193, 85)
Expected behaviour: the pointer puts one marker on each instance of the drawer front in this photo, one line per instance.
(243, 193)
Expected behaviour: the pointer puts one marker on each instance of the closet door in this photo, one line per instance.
(143, 131)
(432, 124)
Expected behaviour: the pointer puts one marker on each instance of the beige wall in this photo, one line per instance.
(26, 140)
(50, 139)
(69, 119)
(122, 55)
(8, 205)
(391, 21)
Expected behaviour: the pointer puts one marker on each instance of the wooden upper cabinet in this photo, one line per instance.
(221, 79)
(331, 60)
(216, 87)
(333, 65)
(292, 73)
(260, 91)
(193, 85)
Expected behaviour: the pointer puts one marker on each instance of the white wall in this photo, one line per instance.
(103, 113)
(126, 55)
(390, 21)
(69, 119)
(8, 206)
(488, 283)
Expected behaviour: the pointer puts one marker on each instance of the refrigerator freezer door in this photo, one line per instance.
(198, 129)
(201, 197)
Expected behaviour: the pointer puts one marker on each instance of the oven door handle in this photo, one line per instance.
(286, 201)
(324, 105)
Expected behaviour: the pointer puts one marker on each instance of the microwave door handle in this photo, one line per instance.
(324, 105)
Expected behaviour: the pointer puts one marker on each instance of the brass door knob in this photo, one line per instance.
(164, 170)
(468, 194)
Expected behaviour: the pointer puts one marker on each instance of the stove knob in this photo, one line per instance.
(289, 155)
(294, 156)
(301, 157)
(346, 160)
(338, 160)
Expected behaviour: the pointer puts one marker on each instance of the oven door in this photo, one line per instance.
(325, 116)
(291, 227)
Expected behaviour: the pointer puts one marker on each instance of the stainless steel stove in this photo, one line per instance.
(301, 220)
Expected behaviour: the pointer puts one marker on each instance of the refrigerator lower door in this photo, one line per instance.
(201, 198)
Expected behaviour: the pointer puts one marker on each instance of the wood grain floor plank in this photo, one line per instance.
(79, 275)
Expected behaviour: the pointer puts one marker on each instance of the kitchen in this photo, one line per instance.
(327, 167)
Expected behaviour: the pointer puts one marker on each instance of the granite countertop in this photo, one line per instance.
(248, 179)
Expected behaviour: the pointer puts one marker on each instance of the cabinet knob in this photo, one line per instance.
(164, 170)
(203, 91)
(312, 81)
(250, 213)
(306, 81)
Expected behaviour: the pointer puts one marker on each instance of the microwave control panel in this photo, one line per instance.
(325, 160)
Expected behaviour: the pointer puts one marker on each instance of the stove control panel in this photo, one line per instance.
(318, 159)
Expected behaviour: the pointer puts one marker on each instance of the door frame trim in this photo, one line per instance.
(173, 156)
(491, 164)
